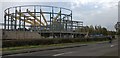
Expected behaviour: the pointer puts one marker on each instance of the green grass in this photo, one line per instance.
(45, 46)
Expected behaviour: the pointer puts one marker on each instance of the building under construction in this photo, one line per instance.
(40, 21)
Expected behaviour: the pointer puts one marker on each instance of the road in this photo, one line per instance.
(99, 49)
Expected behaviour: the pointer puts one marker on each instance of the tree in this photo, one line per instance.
(91, 29)
(95, 30)
(104, 31)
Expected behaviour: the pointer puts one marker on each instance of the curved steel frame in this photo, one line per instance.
(32, 17)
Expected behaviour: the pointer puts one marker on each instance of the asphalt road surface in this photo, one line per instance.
(99, 49)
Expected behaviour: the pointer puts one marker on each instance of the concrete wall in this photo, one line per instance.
(21, 35)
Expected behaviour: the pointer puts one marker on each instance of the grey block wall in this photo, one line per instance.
(21, 35)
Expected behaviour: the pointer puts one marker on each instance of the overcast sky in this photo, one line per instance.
(91, 12)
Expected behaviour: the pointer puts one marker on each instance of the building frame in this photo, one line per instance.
(45, 20)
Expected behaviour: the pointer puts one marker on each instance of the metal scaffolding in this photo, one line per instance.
(41, 19)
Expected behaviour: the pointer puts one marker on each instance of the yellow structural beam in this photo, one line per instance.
(26, 21)
(23, 20)
(35, 17)
(33, 22)
(56, 16)
(43, 16)
(17, 17)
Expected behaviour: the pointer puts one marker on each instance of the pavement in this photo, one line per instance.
(99, 49)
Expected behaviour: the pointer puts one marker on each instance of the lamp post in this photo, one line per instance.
(117, 27)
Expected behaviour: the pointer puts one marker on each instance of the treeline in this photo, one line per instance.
(96, 30)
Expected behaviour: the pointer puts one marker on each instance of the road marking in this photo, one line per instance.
(62, 54)
(55, 50)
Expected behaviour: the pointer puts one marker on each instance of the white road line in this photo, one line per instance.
(58, 54)
(62, 54)
(55, 50)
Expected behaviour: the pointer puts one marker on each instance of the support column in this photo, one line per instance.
(20, 18)
(8, 19)
(52, 21)
(40, 21)
(71, 22)
(24, 24)
(5, 21)
(35, 18)
(24, 28)
(11, 22)
(15, 19)
(60, 24)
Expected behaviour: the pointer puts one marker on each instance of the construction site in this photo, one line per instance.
(40, 21)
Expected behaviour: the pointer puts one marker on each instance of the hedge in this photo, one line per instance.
(23, 42)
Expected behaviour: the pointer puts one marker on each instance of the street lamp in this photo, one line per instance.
(117, 27)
